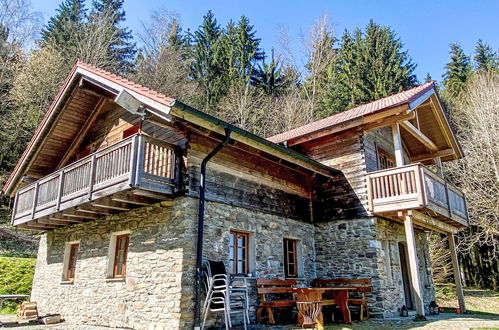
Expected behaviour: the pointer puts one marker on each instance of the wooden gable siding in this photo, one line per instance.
(239, 178)
(114, 120)
(78, 108)
(378, 138)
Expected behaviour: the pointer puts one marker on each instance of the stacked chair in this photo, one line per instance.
(221, 296)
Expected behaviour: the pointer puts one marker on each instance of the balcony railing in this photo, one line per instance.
(135, 162)
(415, 187)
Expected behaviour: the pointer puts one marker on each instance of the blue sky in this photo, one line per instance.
(425, 27)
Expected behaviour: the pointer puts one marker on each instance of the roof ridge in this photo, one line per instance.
(357, 111)
(124, 80)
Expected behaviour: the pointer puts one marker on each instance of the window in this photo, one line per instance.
(120, 253)
(70, 254)
(290, 257)
(130, 131)
(238, 252)
(385, 160)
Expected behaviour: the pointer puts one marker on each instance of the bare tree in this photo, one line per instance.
(320, 57)
(21, 21)
(163, 63)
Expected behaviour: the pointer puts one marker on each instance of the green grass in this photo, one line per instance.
(16, 277)
(478, 301)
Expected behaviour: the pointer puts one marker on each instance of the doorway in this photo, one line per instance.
(405, 275)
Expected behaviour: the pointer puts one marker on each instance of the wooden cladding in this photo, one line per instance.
(290, 257)
(238, 252)
(415, 187)
(71, 267)
(120, 255)
(137, 161)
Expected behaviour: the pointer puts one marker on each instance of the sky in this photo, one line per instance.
(426, 27)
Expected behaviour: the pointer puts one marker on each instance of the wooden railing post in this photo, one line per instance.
(139, 167)
(177, 172)
(369, 194)
(91, 179)
(14, 208)
(449, 207)
(60, 190)
(35, 198)
(133, 160)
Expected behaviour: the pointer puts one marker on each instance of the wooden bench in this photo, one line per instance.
(283, 289)
(357, 296)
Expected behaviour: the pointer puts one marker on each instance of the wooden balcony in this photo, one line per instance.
(135, 171)
(415, 187)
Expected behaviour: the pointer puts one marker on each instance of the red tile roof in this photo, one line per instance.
(405, 97)
(125, 83)
(130, 85)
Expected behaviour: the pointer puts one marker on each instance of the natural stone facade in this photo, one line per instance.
(368, 248)
(158, 289)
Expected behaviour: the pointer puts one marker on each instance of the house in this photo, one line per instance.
(112, 178)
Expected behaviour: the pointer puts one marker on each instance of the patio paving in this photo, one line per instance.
(445, 321)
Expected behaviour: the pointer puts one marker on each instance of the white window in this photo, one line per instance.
(69, 263)
(118, 253)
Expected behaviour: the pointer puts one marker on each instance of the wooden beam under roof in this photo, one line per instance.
(82, 133)
(410, 128)
(108, 203)
(431, 155)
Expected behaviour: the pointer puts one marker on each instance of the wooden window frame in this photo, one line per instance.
(130, 131)
(235, 247)
(290, 258)
(117, 249)
(70, 273)
(389, 158)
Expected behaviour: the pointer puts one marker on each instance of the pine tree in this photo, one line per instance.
(122, 49)
(269, 77)
(205, 70)
(485, 57)
(247, 51)
(457, 71)
(71, 15)
(370, 65)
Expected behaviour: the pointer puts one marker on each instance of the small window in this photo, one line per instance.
(120, 254)
(385, 160)
(290, 257)
(130, 131)
(71, 254)
(238, 252)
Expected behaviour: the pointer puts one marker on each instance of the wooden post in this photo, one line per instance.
(413, 263)
(139, 168)
(438, 166)
(92, 177)
(60, 190)
(133, 160)
(457, 273)
(14, 208)
(35, 200)
(397, 144)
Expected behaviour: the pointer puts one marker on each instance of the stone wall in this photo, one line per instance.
(368, 248)
(158, 290)
(390, 234)
(266, 242)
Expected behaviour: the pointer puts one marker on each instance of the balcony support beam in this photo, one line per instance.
(397, 144)
(413, 263)
(457, 273)
(419, 135)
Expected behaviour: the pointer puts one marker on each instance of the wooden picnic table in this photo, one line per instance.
(340, 294)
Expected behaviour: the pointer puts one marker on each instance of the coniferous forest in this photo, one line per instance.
(223, 70)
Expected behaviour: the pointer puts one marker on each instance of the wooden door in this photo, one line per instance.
(405, 275)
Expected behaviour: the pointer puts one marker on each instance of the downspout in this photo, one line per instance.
(199, 252)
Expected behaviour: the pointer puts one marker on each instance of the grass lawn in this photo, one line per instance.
(16, 276)
(478, 301)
